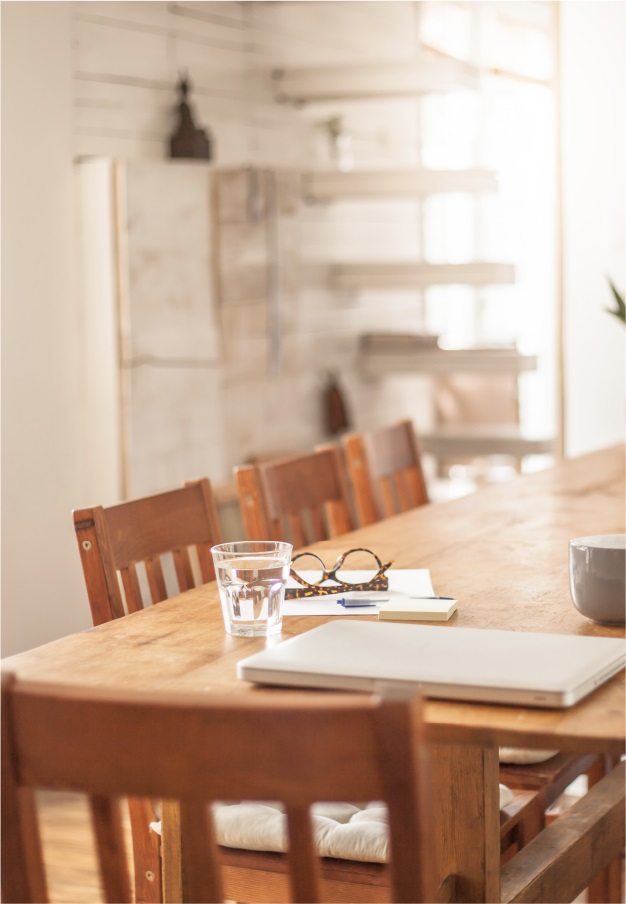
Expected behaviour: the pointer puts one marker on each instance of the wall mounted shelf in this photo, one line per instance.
(447, 361)
(371, 81)
(330, 186)
(409, 275)
(474, 440)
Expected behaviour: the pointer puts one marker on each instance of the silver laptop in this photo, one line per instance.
(551, 670)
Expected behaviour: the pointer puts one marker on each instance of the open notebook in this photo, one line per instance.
(550, 670)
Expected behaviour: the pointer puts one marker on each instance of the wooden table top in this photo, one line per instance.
(502, 552)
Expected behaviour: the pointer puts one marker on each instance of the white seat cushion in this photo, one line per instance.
(521, 757)
(344, 831)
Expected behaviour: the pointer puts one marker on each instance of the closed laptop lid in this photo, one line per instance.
(454, 663)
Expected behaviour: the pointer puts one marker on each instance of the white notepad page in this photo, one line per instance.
(402, 582)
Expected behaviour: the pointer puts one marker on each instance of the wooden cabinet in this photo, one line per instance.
(188, 281)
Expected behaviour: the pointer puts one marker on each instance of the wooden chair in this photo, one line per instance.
(117, 539)
(299, 499)
(124, 540)
(385, 472)
(197, 750)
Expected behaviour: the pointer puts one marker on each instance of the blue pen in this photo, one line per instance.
(350, 603)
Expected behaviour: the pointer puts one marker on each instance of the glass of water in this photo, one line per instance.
(251, 576)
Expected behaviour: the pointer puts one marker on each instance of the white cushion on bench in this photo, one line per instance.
(344, 831)
(521, 757)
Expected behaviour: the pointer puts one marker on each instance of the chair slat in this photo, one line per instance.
(297, 531)
(402, 491)
(205, 560)
(318, 527)
(200, 854)
(399, 756)
(302, 856)
(106, 818)
(256, 521)
(132, 588)
(386, 495)
(338, 519)
(416, 488)
(156, 579)
(356, 463)
(184, 572)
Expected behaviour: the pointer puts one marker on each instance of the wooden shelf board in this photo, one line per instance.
(372, 80)
(412, 275)
(446, 361)
(483, 439)
(328, 186)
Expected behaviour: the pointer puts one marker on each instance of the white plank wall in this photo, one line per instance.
(128, 57)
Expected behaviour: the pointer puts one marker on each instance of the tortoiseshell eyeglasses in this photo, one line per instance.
(310, 572)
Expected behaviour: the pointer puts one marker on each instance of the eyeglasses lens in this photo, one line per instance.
(358, 567)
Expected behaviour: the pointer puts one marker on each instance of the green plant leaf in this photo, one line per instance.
(619, 310)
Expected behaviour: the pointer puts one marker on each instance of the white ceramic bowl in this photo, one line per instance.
(597, 567)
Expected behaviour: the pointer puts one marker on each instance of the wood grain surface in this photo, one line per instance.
(503, 553)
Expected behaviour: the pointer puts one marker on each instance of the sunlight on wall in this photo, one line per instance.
(509, 126)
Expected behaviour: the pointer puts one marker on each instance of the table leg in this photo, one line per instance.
(467, 821)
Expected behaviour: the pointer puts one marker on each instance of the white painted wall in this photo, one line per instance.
(43, 595)
(593, 78)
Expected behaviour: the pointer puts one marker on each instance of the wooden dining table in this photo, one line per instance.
(502, 552)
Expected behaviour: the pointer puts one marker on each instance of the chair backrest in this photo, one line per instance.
(196, 750)
(299, 499)
(117, 539)
(385, 471)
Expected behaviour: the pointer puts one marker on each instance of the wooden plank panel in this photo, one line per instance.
(211, 67)
(222, 23)
(107, 50)
(351, 230)
(175, 427)
(133, 14)
(214, 11)
(127, 111)
(166, 263)
(245, 329)
(98, 144)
